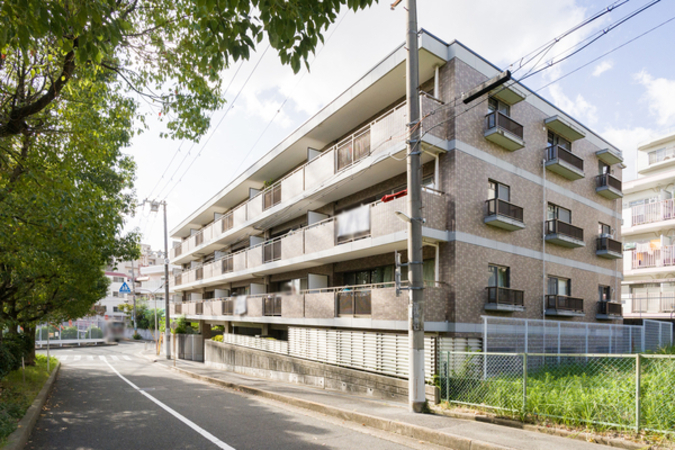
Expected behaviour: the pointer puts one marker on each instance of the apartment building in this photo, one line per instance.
(521, 207)
(648, 288)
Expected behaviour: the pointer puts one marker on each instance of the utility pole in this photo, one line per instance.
(133, 293)
(416, 394)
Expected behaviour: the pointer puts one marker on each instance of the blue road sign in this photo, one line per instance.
(124, 289)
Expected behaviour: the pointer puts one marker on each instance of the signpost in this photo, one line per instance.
(124, 289)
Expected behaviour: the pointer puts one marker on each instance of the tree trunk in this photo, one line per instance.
(29, 331)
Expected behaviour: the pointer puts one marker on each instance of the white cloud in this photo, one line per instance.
(603, 67)
(659, 96)
(579, 107)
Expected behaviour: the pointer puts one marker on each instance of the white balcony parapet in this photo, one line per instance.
(653, 212)
(653, 258)
(380, 135)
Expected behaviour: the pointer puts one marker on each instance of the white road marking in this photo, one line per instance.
(64, 357)
(126, 358)
(77, 357)
(91, 357)
(171, 411)
(101, 357)
(115, 358)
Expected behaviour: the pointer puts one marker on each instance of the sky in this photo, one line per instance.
(627, 96)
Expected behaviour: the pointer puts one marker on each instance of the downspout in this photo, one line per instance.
(543, 240)
(437, 263)
(437, 87)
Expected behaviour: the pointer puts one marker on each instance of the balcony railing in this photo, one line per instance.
(380, 135)
(556, 152)
(272, 305)
(608, 180)
(654, 303)
(564, 303)
(500, 207)
(653, 212)
(661, 155)
(377, 220)
(496, 119)
(505, 296)
(177, 280)
(662, 256)
(199, 273)
(556, 226)
(228, 307)
(609, 308)
(605, 243)
(354, 303)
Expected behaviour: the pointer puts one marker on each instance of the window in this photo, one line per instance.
(118, 279)
(499, 276)
(496, 105)
(242, 290)
(428, 182)
(603, 168)
(636, 203)
(559, 286)
(115, 294)
(554, 139)
(116, 309)
(498, 190)
(604, 293)
(385, 274)
(560, 213)
(604, 229)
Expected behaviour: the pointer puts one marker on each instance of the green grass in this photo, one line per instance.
(17, 396)
(600, 394)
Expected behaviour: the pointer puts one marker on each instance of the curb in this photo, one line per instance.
(17, 440)
(404, 429)
(577, 435)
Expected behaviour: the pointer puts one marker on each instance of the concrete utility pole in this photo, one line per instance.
(133, 293)
(416, 394)
(167, 328)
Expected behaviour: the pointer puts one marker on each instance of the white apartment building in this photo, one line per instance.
(648, 288)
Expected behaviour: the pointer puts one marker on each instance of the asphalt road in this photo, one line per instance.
(109, 398)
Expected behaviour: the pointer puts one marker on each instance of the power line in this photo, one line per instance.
(214, 130)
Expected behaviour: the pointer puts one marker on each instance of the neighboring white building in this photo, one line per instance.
(648, 288)
(110, 305)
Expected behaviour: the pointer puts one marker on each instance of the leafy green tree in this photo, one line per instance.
(171, 51)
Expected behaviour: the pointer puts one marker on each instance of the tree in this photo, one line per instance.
(170, 51)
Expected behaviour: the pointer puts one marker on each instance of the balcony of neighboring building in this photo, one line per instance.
(609, 311)
(564, 162)
(502, 214)
(305, 187)
(564, 234)
(649, 217)
(663, 158)
(504, 299)
(649, 258)
(659, 305)
(356, 305)
(563, 305)
(608, 248)
(608, 186)
(367, 230)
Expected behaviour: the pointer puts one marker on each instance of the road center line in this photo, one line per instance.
(183, 419)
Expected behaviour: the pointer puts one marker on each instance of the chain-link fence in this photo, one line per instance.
(624, 391)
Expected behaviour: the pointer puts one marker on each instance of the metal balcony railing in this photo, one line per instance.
(653, 212)
(272, 196)
(227, 264)
(564, 303)
(557, 152)
(606, 179)
(354, 303)
(272, 305)
(227, 222)
(663, 256)
(500, 207)
(228, 307)
(556, 226)
(497, 119)
(505, 296)
(609, 308)
(608, 244)
(654, 303)
(272, 250)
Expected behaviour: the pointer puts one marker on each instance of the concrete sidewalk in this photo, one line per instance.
(382, 414)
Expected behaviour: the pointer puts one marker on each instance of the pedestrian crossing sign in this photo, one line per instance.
(124, 289)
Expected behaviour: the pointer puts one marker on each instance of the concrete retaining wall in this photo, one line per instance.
(285, 368)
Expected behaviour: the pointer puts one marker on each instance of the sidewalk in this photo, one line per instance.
(384, 415)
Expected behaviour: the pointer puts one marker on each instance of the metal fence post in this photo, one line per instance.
(524, 384)
(638, 358)
(447, 376)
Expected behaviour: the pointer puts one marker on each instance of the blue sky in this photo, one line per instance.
(627, 97)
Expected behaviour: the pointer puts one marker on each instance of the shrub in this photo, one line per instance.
(137, 336)
(94, 333)
(218, 338)
(13, 347)
(69, 333)
(183, 326)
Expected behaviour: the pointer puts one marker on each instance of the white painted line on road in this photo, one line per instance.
(183, 419)
(91, 357)
(115, 358)
(126, 358)
(64, 357)
(101, 357)
(77, 357)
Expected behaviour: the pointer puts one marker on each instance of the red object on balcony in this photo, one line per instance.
(390, 197)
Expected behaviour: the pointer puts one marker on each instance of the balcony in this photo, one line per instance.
(646, 257)
(660, 211)
(504, 299)
(608, 186)
(659, 159)
(610, 156)
(502, 214)
(384, 134)
(504, 131)
(562, 305)
(343, 304)
(650, 304)
(369, 230)
(607, 247)
(608, 311)
(564, 163)
(564, 234)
